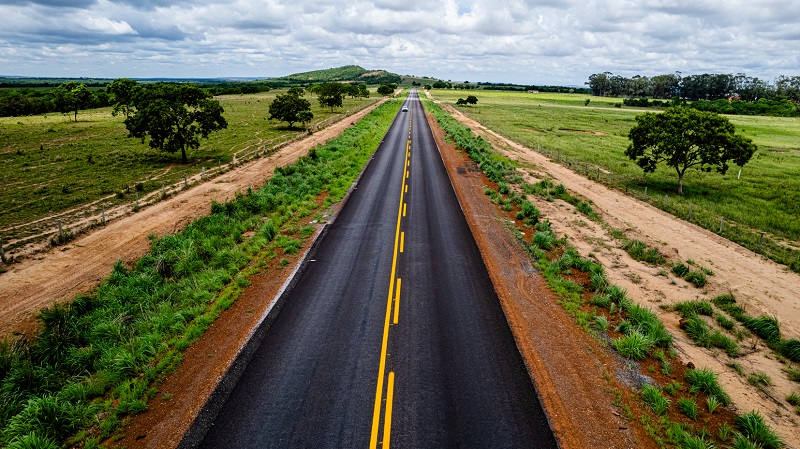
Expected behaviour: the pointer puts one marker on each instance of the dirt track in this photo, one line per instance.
(62, 273)
(757, 283)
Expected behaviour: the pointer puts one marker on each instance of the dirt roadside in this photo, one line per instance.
(64, 272)
(758, 284)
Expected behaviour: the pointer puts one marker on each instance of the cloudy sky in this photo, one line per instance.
(520, 41)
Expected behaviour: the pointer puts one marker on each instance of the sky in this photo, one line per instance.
(524, 41)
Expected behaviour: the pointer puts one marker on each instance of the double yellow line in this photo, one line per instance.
(393, 299)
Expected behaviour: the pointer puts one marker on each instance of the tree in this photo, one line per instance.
(461, 102)
(684, 138)
(472, 99)
(331, 95)
(287, 108)
(385, 90)
(123, 90)
(363, 92)
(428, 87)
(174, 116)
(70, 97)
(305, 117)
(299, 91)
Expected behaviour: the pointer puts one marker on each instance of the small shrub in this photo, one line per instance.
(688, 407)
(759, 379)
(653, 398)
(703, 380)
(688, 308)
(634, 346)
(724, 322)
(639, 251)
(696, 278)
(544, 240)
(673, 388)
(793, 399)
(752, 427)
(600, 323)
(793, 374)
(600, 300)
(791, 349)
(765, 327)
(712, 403)
(725, 432)
(680, 270)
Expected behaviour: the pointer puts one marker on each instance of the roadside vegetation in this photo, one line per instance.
(52, 165)
(99, 359)
(592, 139)
(685, 406)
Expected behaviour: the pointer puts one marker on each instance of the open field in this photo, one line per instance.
(765, 199)
(52, 165)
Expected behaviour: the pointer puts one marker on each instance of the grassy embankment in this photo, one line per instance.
(51, 165)
(765, 199)
(100, 359)
(680, 413)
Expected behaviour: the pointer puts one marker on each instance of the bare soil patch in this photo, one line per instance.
(60, 274)
(758, 284)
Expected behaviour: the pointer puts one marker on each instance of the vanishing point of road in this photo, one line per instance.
(394, 335)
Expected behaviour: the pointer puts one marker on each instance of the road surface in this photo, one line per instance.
(394, 335)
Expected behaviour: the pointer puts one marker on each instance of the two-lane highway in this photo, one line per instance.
(394, 335)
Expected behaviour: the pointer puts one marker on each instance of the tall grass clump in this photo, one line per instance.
(654, 399)
(640, 251)
(753, 429)
(766, 327)
(97, 359)
(703, 380)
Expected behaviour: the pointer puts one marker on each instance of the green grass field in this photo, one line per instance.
(51, 165)
(766, 198)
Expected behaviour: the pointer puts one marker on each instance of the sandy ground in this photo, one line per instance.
(64, 272)
(758, 284)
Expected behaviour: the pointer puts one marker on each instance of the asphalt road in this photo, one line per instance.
(394, 335)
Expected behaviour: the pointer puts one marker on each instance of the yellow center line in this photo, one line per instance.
(397, 302)
(387, 423)
(404, 209)
(376, 413)
(403, 236)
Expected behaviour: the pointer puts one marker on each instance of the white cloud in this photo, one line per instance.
(523, 41)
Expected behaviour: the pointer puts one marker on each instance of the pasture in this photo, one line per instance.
(51, 165)
(594, 136)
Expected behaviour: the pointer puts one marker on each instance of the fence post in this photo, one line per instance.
(162, 188)
(185, 182)
(626, 189)
(60, 232)
(137, 199)
(721, 224)
(760, 244)
(219, 166)
(203, 173)
(739, 176)
(645, 192)
(103, 214)
(2, 252)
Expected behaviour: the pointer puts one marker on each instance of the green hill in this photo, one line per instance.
(345, 73)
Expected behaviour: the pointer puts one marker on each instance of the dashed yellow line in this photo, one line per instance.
(397, 302)
(376, 414)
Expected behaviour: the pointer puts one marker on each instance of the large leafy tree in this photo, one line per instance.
(70, 97)
(331, 95)
(685, 138)
(174, 116)
(288, 108)
(123, 90)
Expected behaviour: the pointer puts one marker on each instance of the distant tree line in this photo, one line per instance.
(65, 97)
(695, 87)
(510, 87)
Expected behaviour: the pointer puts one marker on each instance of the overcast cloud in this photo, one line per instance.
(520, 41)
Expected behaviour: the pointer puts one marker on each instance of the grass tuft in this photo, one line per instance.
(754, 429)
(703, 380)
(634, 345)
